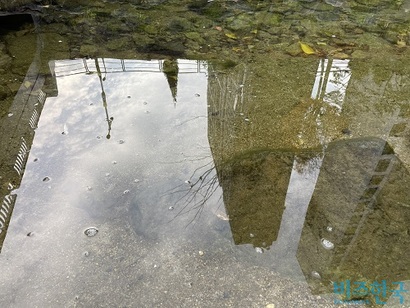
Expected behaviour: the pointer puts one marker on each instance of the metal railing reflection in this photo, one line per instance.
(108, 65)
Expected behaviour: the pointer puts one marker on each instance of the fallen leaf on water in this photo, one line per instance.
(231, 36)
(307, 49)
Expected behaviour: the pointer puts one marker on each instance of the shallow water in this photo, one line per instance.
(178, 183)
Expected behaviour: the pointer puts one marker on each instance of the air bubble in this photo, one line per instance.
(316, 275)
(327, 244)
(91, 231)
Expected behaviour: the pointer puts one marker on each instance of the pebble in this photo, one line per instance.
(201, 253)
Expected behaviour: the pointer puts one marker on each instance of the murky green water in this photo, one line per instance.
(255, 176)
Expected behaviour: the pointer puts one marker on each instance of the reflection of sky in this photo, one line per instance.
(92, 177)
(332, 78)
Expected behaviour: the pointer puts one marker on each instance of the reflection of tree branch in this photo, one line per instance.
(196, 191)
(194, 118)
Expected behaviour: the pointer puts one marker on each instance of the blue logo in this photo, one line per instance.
(358, 292)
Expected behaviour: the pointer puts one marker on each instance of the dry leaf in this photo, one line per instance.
(231, 36)
(307, 49)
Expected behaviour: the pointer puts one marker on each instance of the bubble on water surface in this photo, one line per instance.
(316, 275)
(327, 244)
(91, 231)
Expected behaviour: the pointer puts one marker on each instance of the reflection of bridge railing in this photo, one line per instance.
(87, 66)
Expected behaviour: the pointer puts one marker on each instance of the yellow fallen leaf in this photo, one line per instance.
(231, 36)
(307, 49)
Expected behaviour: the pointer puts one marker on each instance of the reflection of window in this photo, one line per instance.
(332, 78)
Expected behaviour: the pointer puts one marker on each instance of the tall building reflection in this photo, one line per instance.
(354, 188)
(356, 226)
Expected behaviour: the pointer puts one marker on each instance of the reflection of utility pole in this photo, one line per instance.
(104, 98)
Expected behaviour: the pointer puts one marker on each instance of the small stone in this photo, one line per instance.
(171, 208)
(258, 250)
(270, 306)
(201, 253)
(127, 191)
(121, 141)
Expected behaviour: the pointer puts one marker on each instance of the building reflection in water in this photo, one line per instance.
(352, 190)
(356, 226)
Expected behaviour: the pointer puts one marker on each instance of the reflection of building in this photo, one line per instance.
(254, 190)
(17, 133)
(356, 226)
